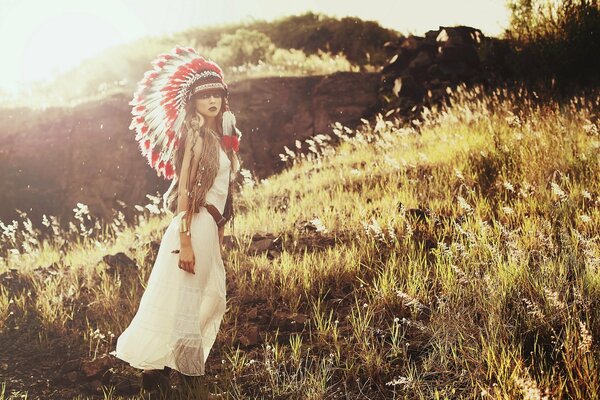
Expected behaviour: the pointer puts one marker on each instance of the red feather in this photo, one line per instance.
(231, 142)
(169, 170)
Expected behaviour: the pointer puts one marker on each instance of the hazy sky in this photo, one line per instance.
(39, 38)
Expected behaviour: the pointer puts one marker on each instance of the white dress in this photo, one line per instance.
(180, 313)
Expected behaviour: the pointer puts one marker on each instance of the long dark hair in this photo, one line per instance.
(208, 159)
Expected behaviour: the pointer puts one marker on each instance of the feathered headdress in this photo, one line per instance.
(159, 105)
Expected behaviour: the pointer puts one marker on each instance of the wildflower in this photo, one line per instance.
(513, 121)
(373, 229)
(529, 389)
(290, 153)
(153, 208)
(318, 224)
(401, 380)
(248, 180)
(408, 300)
(462, 203)
(557, 191)
(590, 128)
(508, 186)
(507, 210)
(585, 218)
(392, 162)
(391, 232)
(533, 309)
(518, 135)
(554, 299)
(586, 338)
(81, 210)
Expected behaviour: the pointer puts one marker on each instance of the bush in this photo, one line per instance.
(558, 38)
(243, 46)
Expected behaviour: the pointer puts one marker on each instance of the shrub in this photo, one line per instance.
(559, 38)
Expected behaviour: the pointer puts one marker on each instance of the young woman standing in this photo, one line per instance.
(186, 130)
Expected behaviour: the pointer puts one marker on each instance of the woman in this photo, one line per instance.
(181, 308)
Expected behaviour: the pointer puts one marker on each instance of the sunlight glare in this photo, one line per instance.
(51, 37)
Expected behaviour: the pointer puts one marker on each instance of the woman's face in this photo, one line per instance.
(209, 103)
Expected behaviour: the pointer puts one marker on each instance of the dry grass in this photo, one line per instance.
(493, 293)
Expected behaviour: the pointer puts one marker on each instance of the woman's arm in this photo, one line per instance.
(186, 171)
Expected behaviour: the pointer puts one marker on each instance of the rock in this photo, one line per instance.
(420, 62)
(285, 321)
(96, 368)
(421, 68)
(72, 376)
(120, 263)
(123, 385)
(152, 252)
(45, 272)
(408, 87)
(249, 336)
(15, 282)
(458, 54)
(264, 242)
(70, 365)
(412, 43)
(261, 245)
(454, 70)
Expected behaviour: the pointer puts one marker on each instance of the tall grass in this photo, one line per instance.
(452, 257)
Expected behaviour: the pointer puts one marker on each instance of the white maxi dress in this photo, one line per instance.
(180, 313)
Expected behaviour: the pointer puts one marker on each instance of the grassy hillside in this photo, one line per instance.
(451, 258)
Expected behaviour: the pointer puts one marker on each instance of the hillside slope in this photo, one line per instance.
(456, 259)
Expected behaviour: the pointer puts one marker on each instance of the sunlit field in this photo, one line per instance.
(452, 257)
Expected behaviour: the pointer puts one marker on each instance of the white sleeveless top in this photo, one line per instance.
(217, 194)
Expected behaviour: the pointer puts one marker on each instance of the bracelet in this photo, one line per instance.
(183, 227)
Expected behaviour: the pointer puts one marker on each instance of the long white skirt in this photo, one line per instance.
(180, 313)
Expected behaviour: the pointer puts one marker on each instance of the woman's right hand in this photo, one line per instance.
(186, 256)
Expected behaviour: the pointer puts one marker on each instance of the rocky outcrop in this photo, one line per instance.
(420, 69)
(274, 112)
(52, 159)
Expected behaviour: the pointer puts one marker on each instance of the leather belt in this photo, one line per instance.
(219, 219)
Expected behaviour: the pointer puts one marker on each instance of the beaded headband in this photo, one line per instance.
(210, 80)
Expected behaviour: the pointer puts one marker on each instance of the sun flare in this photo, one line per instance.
(45, 38)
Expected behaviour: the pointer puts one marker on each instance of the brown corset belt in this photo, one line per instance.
(219, 219)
